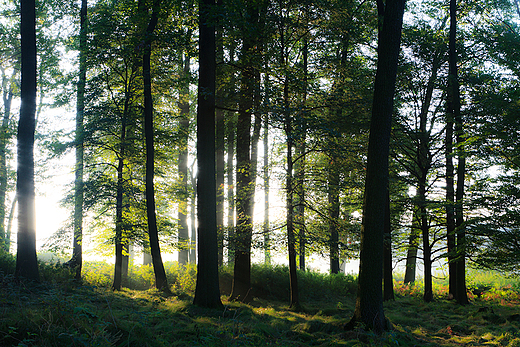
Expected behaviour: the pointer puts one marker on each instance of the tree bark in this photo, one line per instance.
(413, 245)
(161, 282)
(26, 261)
(207, 292)
(369, 301)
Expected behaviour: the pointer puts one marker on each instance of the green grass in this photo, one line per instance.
(61, 312)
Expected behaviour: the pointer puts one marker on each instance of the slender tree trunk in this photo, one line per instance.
(388, 281)
(300, 160)
(26, 262)
(7, 99)
(10, 224)
(333, 193)
(118, 268)
(77, 249)
(267, 241)
(184, 125)
(207, 292)
(193, 216)
(230, 189)
(453, 80)
(161, 282)
(369, 301)
(291, 239)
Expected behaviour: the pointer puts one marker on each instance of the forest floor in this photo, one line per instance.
(60, 312)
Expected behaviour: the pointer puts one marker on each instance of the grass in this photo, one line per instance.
(60, 312)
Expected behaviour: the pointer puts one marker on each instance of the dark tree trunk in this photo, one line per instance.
(242, 271)
(207, 292)
(118, 268)
(413, 245)
(388, 281)
(291, 239)
(26, 262)
(76, 260)
(453, 80)
(161, 282)
(230, 189)
(184, 125)
(333, 195)
(369, 302)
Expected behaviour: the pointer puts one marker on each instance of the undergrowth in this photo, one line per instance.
(61, 312)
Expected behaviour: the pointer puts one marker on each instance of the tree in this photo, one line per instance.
(26, 262)
(77, 246)
(207, 293)
(161, 282)
(369, 300)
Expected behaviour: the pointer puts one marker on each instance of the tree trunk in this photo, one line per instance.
(242, 271)
(184, 125)
(76, 260)
(193, 216)
(267, 241)
(219, 141)
(453, 80)
(207, 292)
(388, 281)
(333, 193)
(26, 262)
(369, 302)
(7, 99)
(230, 189)
(413, 245)
(161, 282)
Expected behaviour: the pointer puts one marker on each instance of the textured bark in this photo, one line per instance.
(207, 293)
(369, 301)
(26, 262)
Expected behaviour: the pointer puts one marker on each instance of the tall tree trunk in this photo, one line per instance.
(267, 240)
(26, 262)
(193, 216)
(242, 271)
(118, 268)
(300, 160)
(453, 80)
(230, 188)
(7, 99)
(333, 194)
(207, 292)
(10, 224)
(388, 281)
(291, 239)
(369, 301)
(184, 125)
(161, 282)
(77, 249)
(219, 141)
